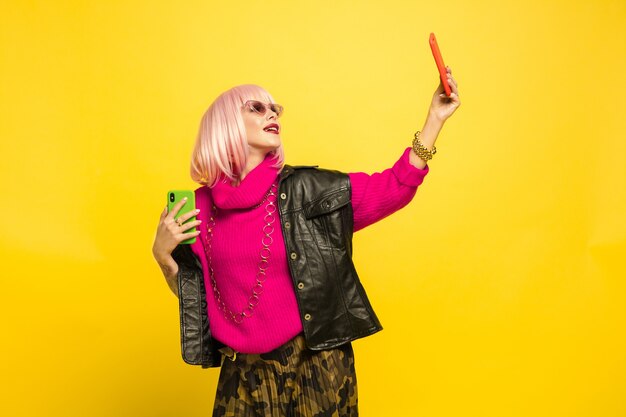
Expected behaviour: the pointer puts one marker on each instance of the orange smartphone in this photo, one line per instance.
(443, 74)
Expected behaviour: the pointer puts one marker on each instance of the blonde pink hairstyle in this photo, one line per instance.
(221, 148)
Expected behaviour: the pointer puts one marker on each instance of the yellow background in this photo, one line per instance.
(500, 287)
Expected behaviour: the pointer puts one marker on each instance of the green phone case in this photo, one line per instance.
(173, 197)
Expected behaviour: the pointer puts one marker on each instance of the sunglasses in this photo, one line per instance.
(261, 108)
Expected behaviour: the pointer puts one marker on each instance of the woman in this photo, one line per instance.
(273, 254)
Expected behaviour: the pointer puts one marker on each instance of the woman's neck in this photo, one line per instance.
(254, 159)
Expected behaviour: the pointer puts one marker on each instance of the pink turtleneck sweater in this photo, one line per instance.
(236, 245)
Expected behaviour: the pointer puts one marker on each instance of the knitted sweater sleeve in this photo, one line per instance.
(376, 196)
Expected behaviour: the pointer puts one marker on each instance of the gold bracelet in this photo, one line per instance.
(422, 151)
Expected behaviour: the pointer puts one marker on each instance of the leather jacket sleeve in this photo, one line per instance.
(197, 346)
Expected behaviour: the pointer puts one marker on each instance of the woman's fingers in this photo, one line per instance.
(172, 231)
(186, 216)
(190, 225)
(450, 77)
(179, 225)
(183, 236)
(172, 214)
(454, 86)
(452, 82)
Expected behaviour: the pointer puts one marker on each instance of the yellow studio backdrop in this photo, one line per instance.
(500, 286)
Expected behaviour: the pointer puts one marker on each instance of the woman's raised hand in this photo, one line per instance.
(169, 233)
(443, 106)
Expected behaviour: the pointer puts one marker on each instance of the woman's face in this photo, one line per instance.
(259, 138)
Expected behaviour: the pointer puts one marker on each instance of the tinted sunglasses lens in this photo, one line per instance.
(258, 107)
(277, 108)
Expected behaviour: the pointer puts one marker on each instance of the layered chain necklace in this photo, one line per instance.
(266, 241)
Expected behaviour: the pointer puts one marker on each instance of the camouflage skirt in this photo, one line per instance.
(290, 381)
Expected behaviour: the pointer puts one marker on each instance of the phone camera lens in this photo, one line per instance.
(172, 197)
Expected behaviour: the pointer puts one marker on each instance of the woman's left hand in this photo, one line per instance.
(443, 106)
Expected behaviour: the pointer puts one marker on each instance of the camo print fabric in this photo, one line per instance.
(290, 381)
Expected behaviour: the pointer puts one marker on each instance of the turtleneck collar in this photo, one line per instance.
(250, 191)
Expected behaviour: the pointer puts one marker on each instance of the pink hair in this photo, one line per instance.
(221, 147)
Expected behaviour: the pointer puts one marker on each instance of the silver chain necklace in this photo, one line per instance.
(266, 241)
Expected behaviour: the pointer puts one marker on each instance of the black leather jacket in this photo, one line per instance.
(317, 223)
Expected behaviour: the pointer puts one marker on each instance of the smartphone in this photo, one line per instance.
(173, 197)
(439, 61)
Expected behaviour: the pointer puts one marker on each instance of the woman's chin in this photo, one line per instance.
(267, 145)
(273, 143)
